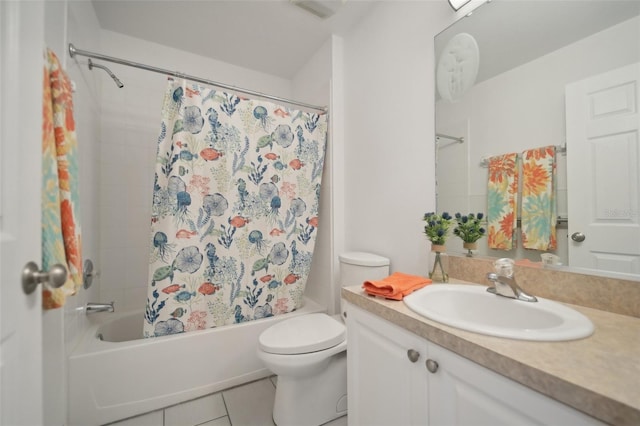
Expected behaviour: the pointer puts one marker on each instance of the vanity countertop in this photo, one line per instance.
(598, 375)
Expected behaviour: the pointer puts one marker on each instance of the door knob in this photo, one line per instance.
(32, 276)
(578, 237)
(413, 355)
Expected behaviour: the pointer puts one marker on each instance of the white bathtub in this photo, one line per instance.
(125, 375)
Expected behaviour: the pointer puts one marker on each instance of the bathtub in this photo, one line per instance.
(114, 373)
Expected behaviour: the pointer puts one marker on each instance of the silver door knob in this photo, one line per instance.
(413, 355)
(32, 276)
(578, 237)
(432, 365)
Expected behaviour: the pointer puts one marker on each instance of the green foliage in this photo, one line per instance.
(437, 227)
(469, 227)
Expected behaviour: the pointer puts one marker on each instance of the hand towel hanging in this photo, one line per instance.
(539, 211)
(502, 190)
(61, 241)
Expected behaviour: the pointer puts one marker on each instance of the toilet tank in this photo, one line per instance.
(358, 267)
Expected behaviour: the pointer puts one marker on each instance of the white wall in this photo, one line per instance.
(130, 127)
(312, 84)
(64, 22)
(506, 115)
(389, 122)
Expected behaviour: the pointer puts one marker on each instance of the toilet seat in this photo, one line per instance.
(302, 334)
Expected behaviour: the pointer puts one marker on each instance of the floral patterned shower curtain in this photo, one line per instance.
(235, 209)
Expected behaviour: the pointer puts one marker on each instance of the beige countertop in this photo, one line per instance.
(598, 375)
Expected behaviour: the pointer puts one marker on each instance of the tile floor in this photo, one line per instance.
(226, 408)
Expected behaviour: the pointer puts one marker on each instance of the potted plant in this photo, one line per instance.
(469, 229)
(436, 229)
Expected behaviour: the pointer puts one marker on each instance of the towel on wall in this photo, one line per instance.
(539, 198)
(395, 286)
(502, 203)
(61, 242)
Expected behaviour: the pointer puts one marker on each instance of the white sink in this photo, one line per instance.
(472, 308)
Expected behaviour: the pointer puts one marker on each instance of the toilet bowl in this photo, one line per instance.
(308, 354)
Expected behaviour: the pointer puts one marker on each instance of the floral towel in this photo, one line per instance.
(61, 242)
(502, 201)
(235, 209)
(538, 198)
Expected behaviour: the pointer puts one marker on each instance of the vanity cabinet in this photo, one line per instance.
(387, 387)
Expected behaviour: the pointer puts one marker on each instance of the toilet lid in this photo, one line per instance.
(302, 334)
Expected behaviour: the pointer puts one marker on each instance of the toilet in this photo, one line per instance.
(308, 353)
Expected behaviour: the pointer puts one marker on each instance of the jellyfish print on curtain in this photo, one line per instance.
(235, 209)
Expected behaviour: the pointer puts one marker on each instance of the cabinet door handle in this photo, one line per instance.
(432, 365)
(413, 355)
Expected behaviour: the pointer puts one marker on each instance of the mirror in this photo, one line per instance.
(529, 51)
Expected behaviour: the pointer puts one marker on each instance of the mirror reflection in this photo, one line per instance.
(557, 74)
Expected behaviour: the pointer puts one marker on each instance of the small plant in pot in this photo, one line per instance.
(436, 229)
(469, 229)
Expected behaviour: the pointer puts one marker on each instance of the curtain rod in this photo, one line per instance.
(453, 138)
(73, 51)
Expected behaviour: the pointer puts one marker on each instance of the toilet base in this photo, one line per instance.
(315, 399)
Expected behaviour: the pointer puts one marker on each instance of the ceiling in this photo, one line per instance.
(272, 36)
(277, 37)
(535, 28)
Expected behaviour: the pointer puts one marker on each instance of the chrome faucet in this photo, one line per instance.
(93, 308)
(504, 282)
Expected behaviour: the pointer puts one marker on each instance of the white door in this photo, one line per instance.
(603, 156)
(21, 39)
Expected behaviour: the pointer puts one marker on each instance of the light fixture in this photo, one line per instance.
(323, 9)
(457, 4)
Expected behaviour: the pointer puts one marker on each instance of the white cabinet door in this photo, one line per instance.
(385, 387)
(603, 121)
(462, 392)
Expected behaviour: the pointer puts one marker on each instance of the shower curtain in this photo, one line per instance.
(235, 209)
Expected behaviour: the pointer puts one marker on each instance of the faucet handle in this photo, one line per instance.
(504, 267)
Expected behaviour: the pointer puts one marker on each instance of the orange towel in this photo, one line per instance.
(395, 286)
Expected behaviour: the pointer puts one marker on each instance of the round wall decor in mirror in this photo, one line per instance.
(457, 67)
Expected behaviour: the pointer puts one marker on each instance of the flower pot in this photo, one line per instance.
(438, 248)
(469, 247)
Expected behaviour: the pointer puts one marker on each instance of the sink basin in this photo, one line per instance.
(472, 308)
